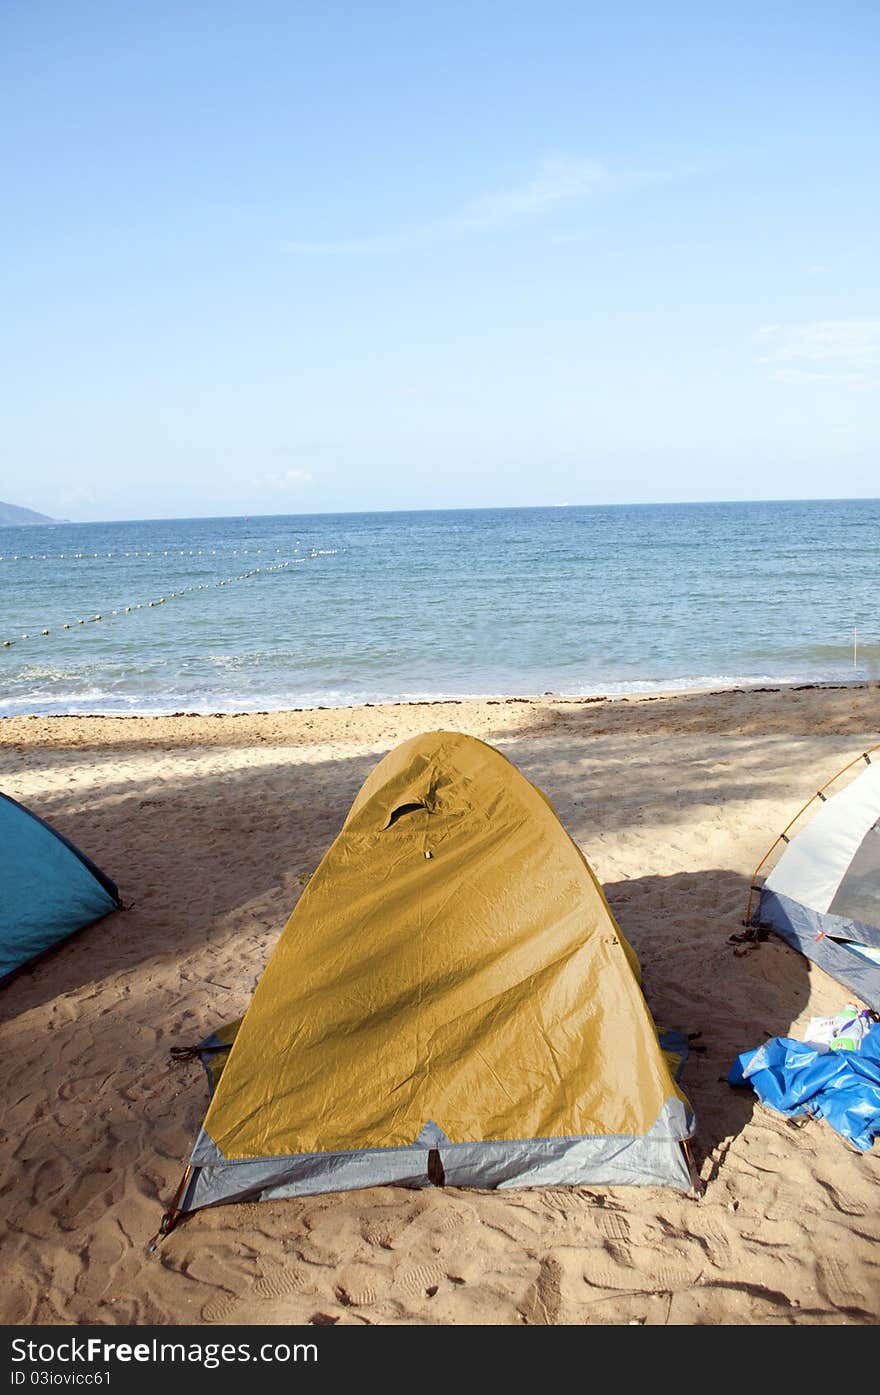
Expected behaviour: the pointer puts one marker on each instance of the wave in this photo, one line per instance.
(101, 703)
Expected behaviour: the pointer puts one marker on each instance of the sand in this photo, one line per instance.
(211, 826)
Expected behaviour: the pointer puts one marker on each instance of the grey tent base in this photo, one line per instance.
(655, 1159)
(822, 937)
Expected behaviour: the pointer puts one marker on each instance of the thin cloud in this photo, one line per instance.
(561, 181)
(842, 352)
(843, 379)
(284, 482)
(393, 243)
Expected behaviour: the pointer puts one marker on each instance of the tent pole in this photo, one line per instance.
(783, 838)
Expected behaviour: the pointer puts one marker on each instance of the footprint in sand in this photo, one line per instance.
(838, 1286)
(439, 1213)
(465, 1262)
(357, 1286)
(100, 1258)
(221, 1307)
(543, 1303)
(16, 1304)
(613, 1225)
(840, 1203)
(455, 1215)
(272, 1284)
(50, 1178)
(379, 1235)
(278, 1283)
(88, 1200)
(714, 1242)
(418, 1280)
(773, 1234)
(620, 1251)
(646, 1272)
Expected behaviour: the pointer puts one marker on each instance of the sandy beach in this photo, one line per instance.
(212, 825)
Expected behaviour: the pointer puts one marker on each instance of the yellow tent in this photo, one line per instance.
(451, 1000)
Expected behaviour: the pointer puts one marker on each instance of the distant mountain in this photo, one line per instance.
(12, 514)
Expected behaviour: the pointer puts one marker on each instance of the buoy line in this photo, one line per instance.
(172, 595)
(153, 552)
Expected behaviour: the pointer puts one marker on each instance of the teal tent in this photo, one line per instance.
(50, 888)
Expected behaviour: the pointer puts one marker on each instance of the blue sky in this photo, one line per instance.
(282, 257)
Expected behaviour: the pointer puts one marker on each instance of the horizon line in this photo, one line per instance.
(467, 508)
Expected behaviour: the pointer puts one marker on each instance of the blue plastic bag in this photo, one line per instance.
(840, 1086)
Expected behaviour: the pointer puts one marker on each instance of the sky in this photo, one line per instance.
(278, 257)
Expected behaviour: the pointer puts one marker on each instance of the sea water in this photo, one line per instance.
(329, 609)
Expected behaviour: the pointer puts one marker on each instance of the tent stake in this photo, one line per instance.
(172, 1215)
(698, 1186)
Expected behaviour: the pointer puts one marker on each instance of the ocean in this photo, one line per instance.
(253, 614)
